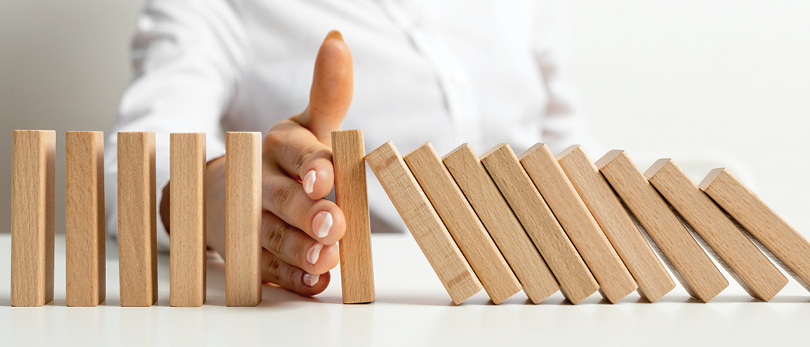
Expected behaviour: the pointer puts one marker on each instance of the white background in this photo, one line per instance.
(719, 78)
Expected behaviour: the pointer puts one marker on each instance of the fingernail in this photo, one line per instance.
(309, 181)
(334, 34)
(325, 224)
(311, 280)
(314, 253)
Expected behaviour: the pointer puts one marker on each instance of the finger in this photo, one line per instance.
(321, 219)
(296, 151)
(332, 87)
(296, 248)
(274, 270)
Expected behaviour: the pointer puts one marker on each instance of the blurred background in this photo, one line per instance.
(707, 83)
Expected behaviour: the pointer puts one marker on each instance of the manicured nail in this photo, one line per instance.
(314, 253)
(334, 34)
(324, 219)
(309, 181)
(311, 280)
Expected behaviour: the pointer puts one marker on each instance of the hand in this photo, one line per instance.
(299, 228)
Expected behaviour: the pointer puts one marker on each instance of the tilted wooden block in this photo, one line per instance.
(504, 228)
(356, 271)
(783, 243)
(187, 213)
(652, 278)
(137, 228)
(576, 281)
(32, 217)
(684, 257)
(615, 282)
(463, 224)
(424, 223)
(741, 258)
(243, 198)
(84, 218)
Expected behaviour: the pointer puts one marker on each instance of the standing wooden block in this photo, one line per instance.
(690, 265)
(32, 215)
(741, 258)
(650, 275)
(424, 223)
(356, 271)
(463, 224)
(243, 199)
(774, 233)
(576, 281)
(501, 223)
(615, 282)
(187, 214)
(84, 218)
(137, 228)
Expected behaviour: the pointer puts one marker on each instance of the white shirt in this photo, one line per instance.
(448, 72)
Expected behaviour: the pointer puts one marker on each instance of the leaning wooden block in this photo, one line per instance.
(576, 281)
(32, 216)
(504, 228)
(84, 218)
(741, 258)
(682, 254)
(781, 241)
(615, 282)
(650, 275)
(243, 198)
(356, 271)
(137, 228)
(187, 214)
(463, 224)
(424, 223)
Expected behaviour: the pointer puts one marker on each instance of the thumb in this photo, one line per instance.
(332, 88)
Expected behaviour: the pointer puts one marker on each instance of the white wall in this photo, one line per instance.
(724, 78)
(727, 79)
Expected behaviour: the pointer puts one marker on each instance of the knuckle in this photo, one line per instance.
(274, 138)
(284, 197)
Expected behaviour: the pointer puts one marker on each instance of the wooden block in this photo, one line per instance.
(243, 176)
(684, 257)
(463, 224)
(187, 213)
(615, 282)
(137, 233)
(472, 178)
(650, 275)
(738, 255)
(576, 281)
(777, 237)
(32, 216)
(424, 223)
(356, 271)
(84, 218)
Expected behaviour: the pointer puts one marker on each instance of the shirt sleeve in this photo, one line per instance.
(563, 124)
(186, 58)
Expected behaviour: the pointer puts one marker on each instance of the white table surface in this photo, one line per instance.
(411, 309)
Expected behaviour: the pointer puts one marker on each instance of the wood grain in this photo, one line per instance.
(738, 255)
(472, 178)
(356, 270)
(424, 223)
(615, 282)
(137, 228)
(84, 218)
(682, 254)
(576, 281)
(187, 213)
(32, 216)
(649, 273)
(243, 178)
(789, 247)
(463, 224)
